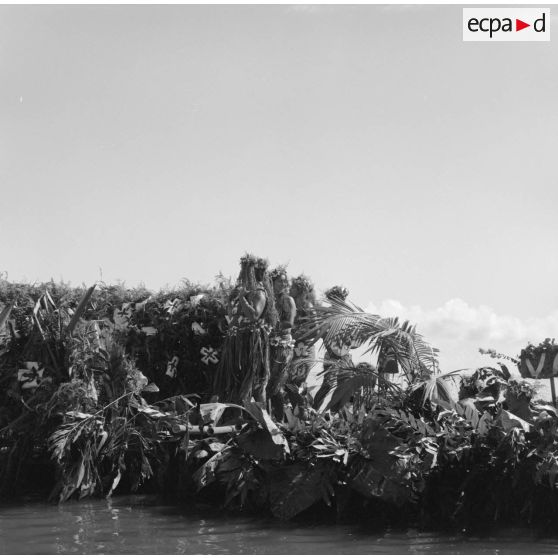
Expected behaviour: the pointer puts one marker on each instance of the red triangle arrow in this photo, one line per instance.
(519, 25)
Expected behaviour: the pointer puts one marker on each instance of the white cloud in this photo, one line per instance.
(459, 329)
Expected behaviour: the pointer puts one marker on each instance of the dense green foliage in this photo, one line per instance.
(107, 389)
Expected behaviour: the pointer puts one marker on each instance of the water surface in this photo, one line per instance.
(141, 525)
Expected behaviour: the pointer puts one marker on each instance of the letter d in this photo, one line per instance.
(542, 22)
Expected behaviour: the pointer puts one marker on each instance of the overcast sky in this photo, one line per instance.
(362, 145)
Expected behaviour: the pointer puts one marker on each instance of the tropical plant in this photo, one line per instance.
(356, 384)
(74, 362)
(345, 323)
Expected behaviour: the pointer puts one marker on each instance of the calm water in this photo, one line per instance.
(138, 525)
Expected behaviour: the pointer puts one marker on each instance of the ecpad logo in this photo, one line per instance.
(506, 24)
(494, 24)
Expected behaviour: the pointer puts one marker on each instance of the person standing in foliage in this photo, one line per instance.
(282, 341)
(337, 351)
(302, 290)
(244, 368)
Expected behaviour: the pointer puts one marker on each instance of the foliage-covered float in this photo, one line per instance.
(108, 389)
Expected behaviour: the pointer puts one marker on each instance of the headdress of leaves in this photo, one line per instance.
(337, 292)
(261, 264)
(278, 272)
(248, 260)
(302, 284)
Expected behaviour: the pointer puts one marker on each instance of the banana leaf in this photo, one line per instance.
(369, 481)
(263, 418)
(295, 488)
(260, 445)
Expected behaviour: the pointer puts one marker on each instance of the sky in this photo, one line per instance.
(363, 145)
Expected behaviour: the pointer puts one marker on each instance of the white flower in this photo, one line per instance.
(171, 367)
(30, 375)
(198, 329)
(122, 317)
(171, 306)
(209, 355)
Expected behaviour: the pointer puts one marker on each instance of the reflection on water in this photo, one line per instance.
(139, 525)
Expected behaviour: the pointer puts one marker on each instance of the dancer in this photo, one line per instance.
(302, 290)
(337, 351)
(244, 367)
(281, 342)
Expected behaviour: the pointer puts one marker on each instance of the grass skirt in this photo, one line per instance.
(244, 369)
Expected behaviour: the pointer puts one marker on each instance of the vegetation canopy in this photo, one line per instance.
(107, 389)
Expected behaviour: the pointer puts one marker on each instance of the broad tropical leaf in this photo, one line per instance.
(297, 487)
(436, 390)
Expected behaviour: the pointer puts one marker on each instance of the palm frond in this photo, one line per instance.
(341, 319)
(414, 356)
(356, 382)
(343, 322)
